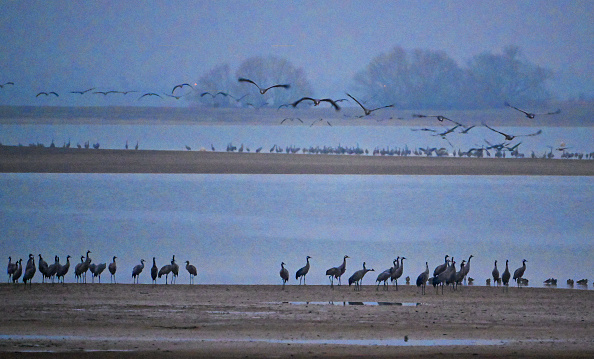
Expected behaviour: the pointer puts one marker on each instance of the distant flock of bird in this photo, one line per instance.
(445, 274)
(499, 148)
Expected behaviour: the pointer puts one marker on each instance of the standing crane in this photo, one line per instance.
(284, 274)
(357, 277)
(495, 274)
(506, 276)
(112, 269)
(422, 278)
(137, 270)
(192, 270)
(302, 272)
(518, 273)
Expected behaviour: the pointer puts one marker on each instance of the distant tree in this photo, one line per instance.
(419, 79)
(496, 78)
(268, 71)
(218, 79)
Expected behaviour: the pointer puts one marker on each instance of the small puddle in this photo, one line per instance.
(402, 304)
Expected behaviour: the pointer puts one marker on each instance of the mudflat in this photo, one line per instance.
(67, 160)
(167, 321)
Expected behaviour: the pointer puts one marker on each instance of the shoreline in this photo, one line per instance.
(14, 159)
(98, 321)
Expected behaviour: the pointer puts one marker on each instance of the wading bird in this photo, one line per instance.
(154, 271)
(506, 276)
(136, 271)
(262, 91)
(518, 273)
(337, 272)
(302, 272)
(365, 110)
(511, 137)
(532, 115)
(495, 274)
(112, 269)
(12, 267)
(422, 278)
(357, 277)
(192, 270)
(63, 270)
(284, 274)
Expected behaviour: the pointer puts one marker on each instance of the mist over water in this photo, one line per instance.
(237, 229)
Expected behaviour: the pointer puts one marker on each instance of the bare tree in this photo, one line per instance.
(268, 71)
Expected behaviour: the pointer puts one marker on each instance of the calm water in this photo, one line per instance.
(238, 228)
(176, 137)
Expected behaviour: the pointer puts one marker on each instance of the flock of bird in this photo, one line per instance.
(57, 271)
(457, 127)
(445, 274)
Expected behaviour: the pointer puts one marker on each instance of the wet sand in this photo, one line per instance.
(109, 321)
(60, 160)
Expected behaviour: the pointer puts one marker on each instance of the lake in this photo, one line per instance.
(236, 229)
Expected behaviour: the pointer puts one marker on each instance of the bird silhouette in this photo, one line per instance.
(154, 271)
(495, 274)
(136, 271)
(192, 270)
(6, 83)
(518, 273)
(302, 272)
(83, 92)
(180, 86)
(150, 94)
(365, 110)
(506, 276)
(532, 115)
(317, 102)
(291, 119)
(47, 94)
(422, 278)
(263, 91)
(511, 137)
(112, 269)
(440, 118)
(284, 274)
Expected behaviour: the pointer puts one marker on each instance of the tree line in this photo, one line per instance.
(413, 79)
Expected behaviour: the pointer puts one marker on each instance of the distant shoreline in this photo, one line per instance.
(14, 159)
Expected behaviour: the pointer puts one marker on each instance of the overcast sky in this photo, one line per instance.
(150, 46)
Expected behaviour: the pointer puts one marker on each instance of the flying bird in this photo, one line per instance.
(263, 91)
(291, 119)
(174, 96)
(180, 86)
(47, 94)
(532, 115)
(6, 83)
(511, 137)
(83, 92)
(367, 111)
(320, 120)
(317, 102)
(150, 94)
(440, 118)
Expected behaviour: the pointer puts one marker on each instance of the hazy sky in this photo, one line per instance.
(151, 46)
